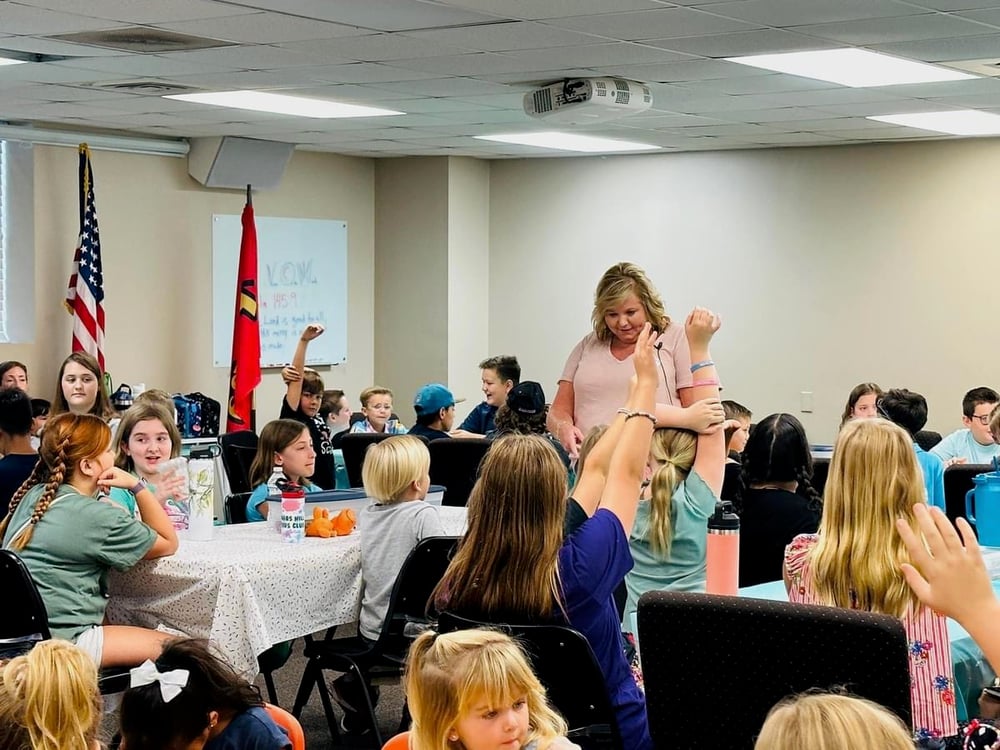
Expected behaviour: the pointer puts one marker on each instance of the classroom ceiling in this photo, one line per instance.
(459, 68)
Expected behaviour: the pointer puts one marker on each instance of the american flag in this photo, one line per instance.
(85, 294)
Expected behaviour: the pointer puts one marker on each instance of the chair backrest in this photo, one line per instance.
(566, 666)
(821, 468)
(730, 659)
(24, 621)
(238, 451)
(289, 723)
(958, 481)
(455, 465)
(422, 570)
(400, 742)
(353, 446)
(236, 507)
(927, 439)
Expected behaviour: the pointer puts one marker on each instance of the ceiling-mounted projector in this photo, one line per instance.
(580, 101)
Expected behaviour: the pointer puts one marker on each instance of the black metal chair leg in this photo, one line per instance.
(272, 692)
(309, 676)
(324, 697)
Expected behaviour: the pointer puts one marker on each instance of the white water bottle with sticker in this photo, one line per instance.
(277, 475)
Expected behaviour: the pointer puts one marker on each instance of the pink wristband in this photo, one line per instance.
(705, 382)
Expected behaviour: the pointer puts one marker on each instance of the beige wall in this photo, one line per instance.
(829, 266)
(157, 251)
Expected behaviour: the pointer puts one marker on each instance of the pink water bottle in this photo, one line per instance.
(723, 551)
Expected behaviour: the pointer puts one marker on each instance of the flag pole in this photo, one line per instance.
(249, 196)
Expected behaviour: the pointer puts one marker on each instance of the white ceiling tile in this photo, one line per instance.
(144, 66)
(949, 5)
(131, 11)
(595, 56)
(534, 78)
(362, 72)
(263, 28)
(663, 23)
(553, 8)
(971, 101)
(47, 73)
(869, 109)
(875, 135)
(766, 84)
(782, 13)
(445, 87)
(887, 30)
(684, 70)
(42, 46)
(350, 92)
(496, 116)
(939, 50)
(833, 124)
(251, 57)
(434, 106)
(798, 139)
(743, 43)
(374, 48)
(283, 78)
(666, 121)
(989, 16)
(943, 88)
(469, 64)
(24, 20)
(381, 15)
(504, 37)
(777, 115)
(831, 96)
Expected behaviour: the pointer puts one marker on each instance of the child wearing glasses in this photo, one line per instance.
(909, 411)
(974, 444)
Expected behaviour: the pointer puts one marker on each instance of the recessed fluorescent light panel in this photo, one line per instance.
(282, 104)
(9, 61)
(957, 122)
(569, 142)
(857, 68)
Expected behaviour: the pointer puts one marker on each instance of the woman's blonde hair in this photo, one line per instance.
(831, 722)
(617, 283)
(673, 452)
(507, 562)
(874, 479)
(392, 465)
(67, 440)
(142, 412)
(49, 699)
(277, 435)
(449, 675)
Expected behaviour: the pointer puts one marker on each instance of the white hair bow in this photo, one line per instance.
(171, 682)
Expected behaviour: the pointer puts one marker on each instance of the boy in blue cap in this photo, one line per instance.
(435, 408)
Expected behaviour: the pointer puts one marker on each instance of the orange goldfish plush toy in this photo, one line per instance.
(324, 525)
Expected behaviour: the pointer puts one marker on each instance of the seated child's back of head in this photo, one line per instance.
(15, 412)
(831, 722)
(394, 467)
(904, 407)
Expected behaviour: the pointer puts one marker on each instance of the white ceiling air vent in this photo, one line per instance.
(148, 87)
(141, 39)
(989, 67)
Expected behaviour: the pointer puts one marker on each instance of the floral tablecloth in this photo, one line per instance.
(246, 590)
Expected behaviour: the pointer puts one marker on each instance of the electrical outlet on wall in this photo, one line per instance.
(806, 402)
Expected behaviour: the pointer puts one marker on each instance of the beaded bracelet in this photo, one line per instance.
(629, 414)
(698, 365)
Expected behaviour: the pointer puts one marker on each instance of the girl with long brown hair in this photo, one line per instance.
(69, 539)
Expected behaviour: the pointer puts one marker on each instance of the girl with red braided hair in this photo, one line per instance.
(69, 538)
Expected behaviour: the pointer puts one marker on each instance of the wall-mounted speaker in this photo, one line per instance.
(231, 162)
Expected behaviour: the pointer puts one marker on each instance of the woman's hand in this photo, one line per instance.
(571, 438)
(706, 416)
(944, 575)
(312, 331)
(115, 477)
(700, 326)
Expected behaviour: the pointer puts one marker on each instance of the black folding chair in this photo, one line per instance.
(709, 659)
(566, 666)
(353, 447)
(422, 570)
(455, 465)
(238, 451)
(24, 621)
(821, 468)
(927, 439)
(957, 482)
(236, 507)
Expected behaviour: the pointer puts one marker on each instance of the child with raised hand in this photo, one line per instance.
(474, 690)
(685, 472)
(825, 721)
(69, 539)
(535, 573)
(285, 443)
(303, 398)
(147, 437)
(49, 699)
(376, 405)
(189, 698)
(854, 560)
(395, 475)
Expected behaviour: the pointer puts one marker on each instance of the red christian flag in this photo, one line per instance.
(244, 374)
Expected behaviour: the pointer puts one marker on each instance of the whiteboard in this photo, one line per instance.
(301, 279)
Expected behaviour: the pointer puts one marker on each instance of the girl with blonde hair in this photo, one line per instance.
(49, 699)
(855, 560)
(826, 721)
(69, 539)
(473, 690)
(685, 472)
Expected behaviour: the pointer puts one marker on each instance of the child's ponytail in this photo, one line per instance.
(674, 452)
(56, 475)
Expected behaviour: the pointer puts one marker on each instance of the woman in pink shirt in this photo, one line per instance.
(594, 382)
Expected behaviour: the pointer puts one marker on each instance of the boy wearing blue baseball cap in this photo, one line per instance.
(435, 408)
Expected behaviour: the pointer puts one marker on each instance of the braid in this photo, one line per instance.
(56, 474)
(806, 488)
(38, 475)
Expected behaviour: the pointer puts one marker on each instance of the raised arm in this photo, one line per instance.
(710, 461)
(560, 419)
(293, 388)
(622, 489)
(590, 483)
(951, 578)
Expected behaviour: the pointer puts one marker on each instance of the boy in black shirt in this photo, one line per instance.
(303, 396)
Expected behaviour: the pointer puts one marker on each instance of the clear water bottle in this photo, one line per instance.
(273, 487)
(722, 561)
